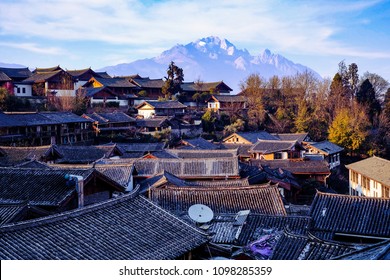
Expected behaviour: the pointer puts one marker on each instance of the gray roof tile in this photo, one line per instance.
(40, 187)
(125, 228)
(259, 199)
(336, 213)
(326, 147)
(307, 247)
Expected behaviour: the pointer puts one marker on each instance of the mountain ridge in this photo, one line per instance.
(212, 59)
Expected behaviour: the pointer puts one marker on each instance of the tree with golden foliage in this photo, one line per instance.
(350, 128)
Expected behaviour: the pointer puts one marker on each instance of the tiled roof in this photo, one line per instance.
(198, 143)
(204, 86)
(272, 146)
(160, 154)
(306, 247)
(8, 212)
(257, 225)
(242, 228)
(132, 155)
(258, 199)
(91, 91)
(140, 147)
(4, 77)
(258, 174)
(115, 82)
(125, 228)
(254, 136)
(120, 173)
(234, 183)
(225, 228)
(5, 121)
(299, 137)
(242, 149)
(162, 179)
(39, 77)
(39, 118)
(152, 122)
(50, 69)
(167, 179)
(16, 73)
(298, 210)
(114, 117)
(192, 168)
(345, 214)
(326, 147)
(163, 104)
(378, 251)
(229, 98)
(374, 167)
(148, 83)
(32, 164)
(63, 117)
(85, 154)
(189, 167)
(23, 119)
(10, 156)
(78, 73)
(104, 75)
(41, 187)
(203, 153)
(296, 167)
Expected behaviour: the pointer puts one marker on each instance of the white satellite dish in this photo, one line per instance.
(200, 213)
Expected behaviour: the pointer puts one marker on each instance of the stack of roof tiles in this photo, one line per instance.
(11, 156)
(257, 199)
(307, 247)
(354, 215)
(189, 167)
(41, 187)
(129, 227)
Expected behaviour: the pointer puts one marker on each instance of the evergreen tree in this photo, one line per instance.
(173, 81)
(383, 137)
(353, 78)
(366, 97)
(379, 84)
(208, 121)
(337, 96)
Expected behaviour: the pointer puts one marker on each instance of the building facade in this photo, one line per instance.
(370, 177)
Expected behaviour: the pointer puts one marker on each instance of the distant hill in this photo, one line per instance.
(212, 59)
(11, 65)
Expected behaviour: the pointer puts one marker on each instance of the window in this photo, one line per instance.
(18, 90)
(354, 177)
(386, 192)
(278, 156)
(365, 184)
(23, 90)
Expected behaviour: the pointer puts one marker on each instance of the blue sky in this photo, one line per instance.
(78, 34)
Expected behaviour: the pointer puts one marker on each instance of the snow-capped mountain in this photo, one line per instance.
(212, 59)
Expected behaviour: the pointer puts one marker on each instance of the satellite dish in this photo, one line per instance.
(200, 213)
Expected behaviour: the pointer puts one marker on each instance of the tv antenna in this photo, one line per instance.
(200, 213)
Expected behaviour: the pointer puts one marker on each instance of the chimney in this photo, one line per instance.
(79, 180)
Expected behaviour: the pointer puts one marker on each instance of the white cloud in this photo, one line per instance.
(282, 25)
(34, 48)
